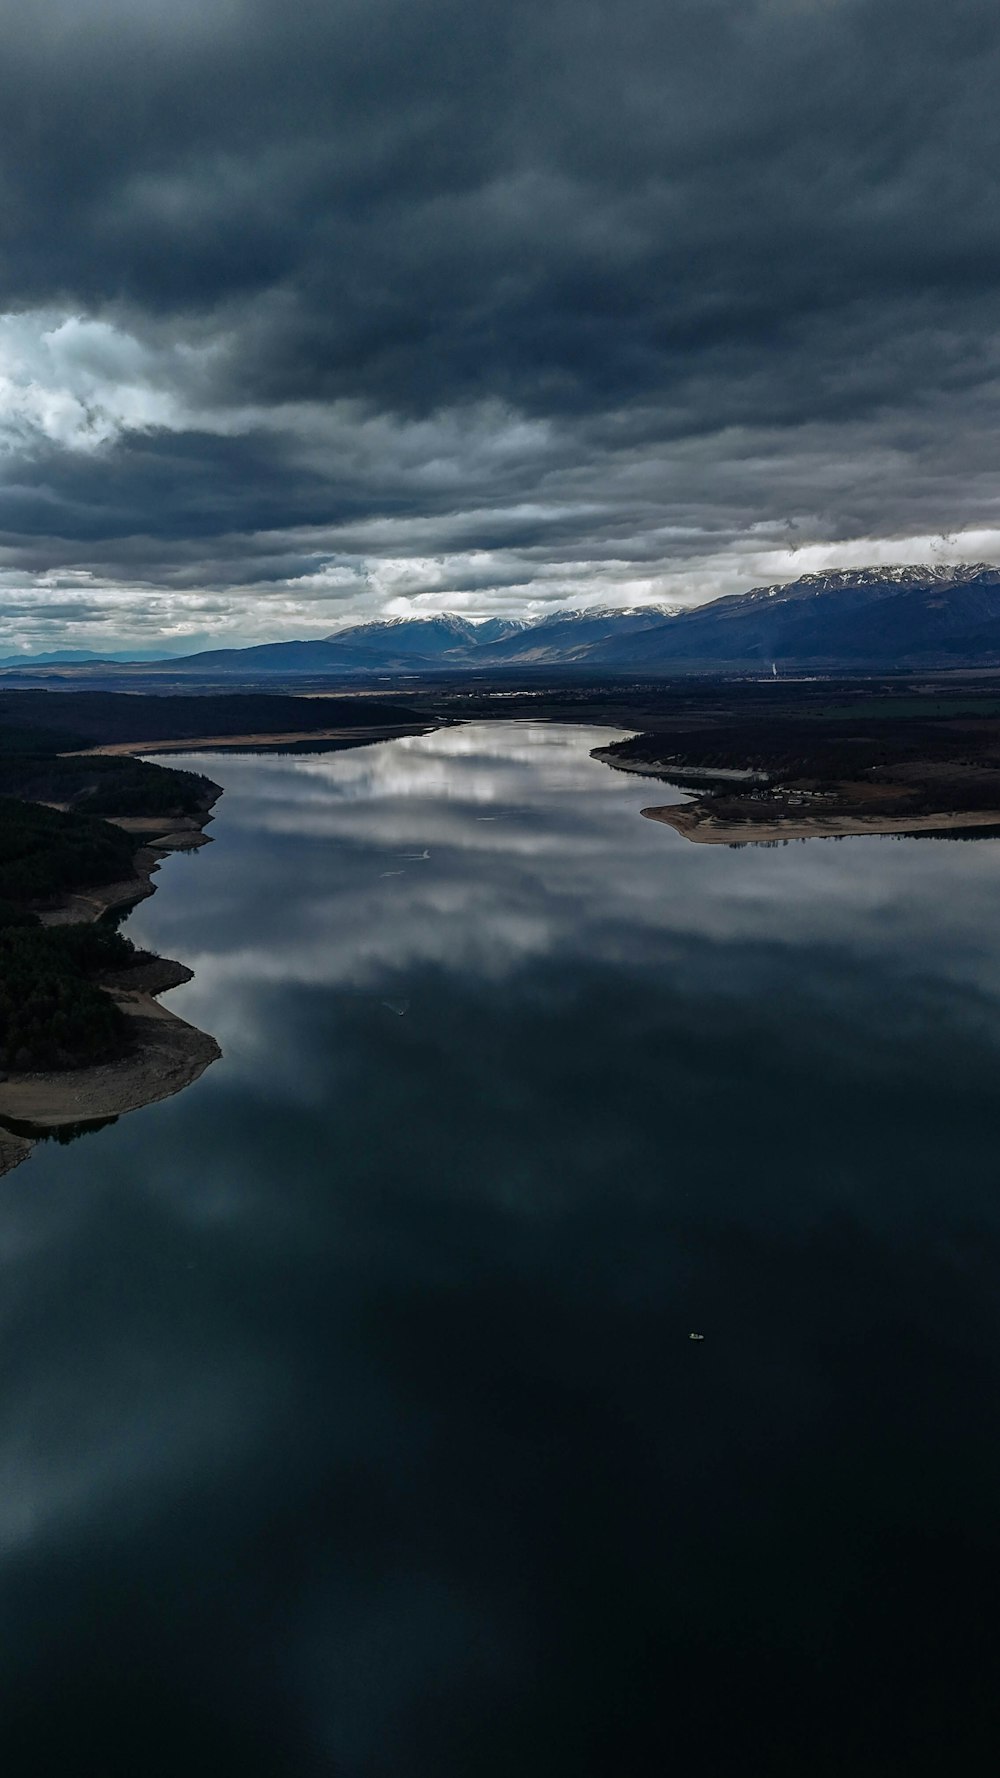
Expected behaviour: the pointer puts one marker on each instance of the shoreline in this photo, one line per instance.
(195, 743)
(754, 765)
(695, 823)
(167, 1054)
(166, 834)
(676, 774)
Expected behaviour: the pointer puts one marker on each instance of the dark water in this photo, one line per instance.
(351, 1422)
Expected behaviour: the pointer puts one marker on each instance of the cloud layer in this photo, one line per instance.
(312, 312)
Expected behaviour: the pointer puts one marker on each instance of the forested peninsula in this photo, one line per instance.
(822, 759)
(83, 825)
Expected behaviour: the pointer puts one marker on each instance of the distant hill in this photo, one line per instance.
(848, 619)
(77, 657)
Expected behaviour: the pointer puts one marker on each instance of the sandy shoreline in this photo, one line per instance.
(695, 823)
(676, 774)
(197, 742)
(167, 1054)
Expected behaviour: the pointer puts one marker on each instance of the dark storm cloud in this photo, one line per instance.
(562, 285)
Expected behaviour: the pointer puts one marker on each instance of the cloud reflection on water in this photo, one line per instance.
(350, 1411)
(570, 869)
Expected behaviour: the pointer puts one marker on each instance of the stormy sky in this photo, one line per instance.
(323, 309)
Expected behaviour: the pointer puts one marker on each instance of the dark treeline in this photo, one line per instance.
(44, 852)
(52, 1015)
(94, 719)
(812, 749)
(103, 786)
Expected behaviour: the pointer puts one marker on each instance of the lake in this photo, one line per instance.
(352, 1420)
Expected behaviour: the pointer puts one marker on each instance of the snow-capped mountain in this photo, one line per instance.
(922, 615)
(852, 618)
(880, 581)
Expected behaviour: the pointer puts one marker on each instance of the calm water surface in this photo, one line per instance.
(351, 1422)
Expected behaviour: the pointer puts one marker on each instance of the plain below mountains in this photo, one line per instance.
(851, 620)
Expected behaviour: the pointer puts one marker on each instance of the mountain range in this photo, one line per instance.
(860, 619)
(63, 657)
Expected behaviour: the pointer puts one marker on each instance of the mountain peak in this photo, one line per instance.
(915, 574)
